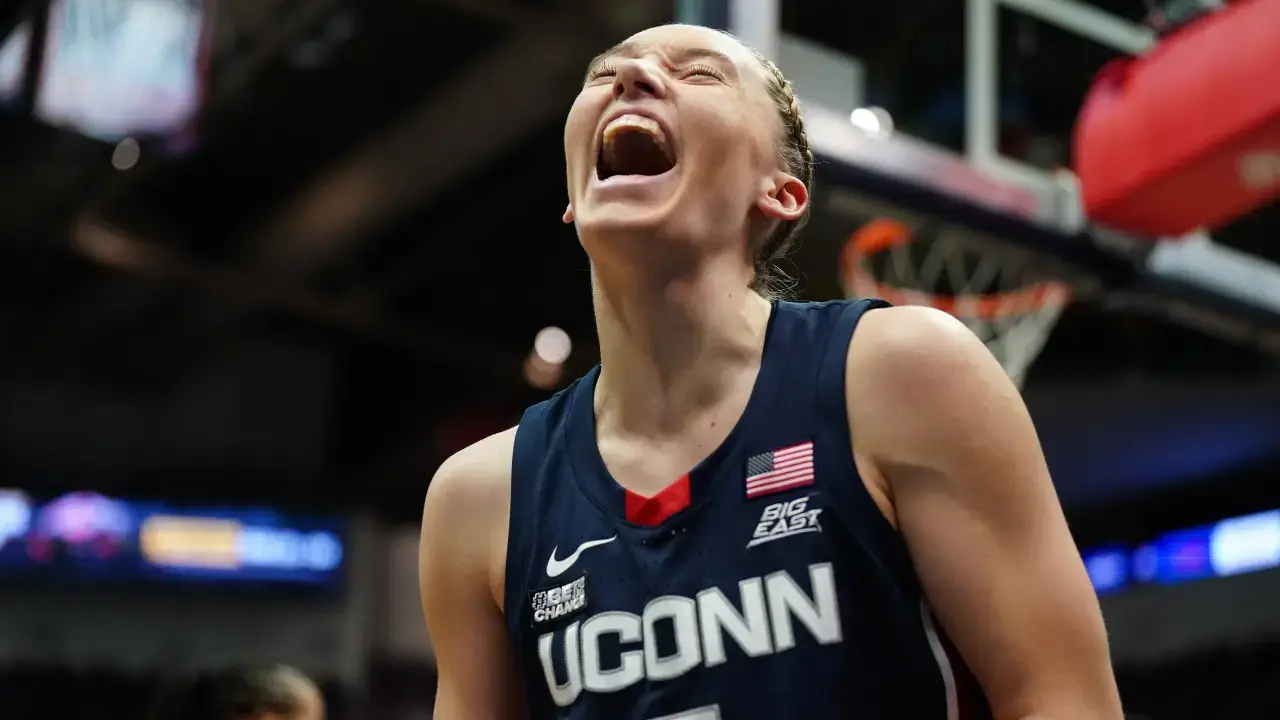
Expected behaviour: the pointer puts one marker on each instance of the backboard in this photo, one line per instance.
(969, 178)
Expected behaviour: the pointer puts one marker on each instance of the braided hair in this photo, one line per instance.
(793, 147)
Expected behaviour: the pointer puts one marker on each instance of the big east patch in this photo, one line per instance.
(784, 519)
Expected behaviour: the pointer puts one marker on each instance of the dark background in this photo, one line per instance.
(334, 284)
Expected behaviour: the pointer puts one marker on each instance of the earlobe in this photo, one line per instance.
(567, 218)
(788, 200)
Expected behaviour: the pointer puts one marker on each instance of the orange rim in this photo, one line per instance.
(881, 234)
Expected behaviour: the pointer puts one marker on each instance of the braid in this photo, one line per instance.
(798, 159)
(793, 119)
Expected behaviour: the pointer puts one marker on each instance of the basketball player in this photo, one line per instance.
(748, 510)
(275, 693)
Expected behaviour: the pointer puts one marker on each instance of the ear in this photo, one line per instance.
(785, 198)
(567, 218)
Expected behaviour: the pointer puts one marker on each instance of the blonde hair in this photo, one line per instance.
(793, 148)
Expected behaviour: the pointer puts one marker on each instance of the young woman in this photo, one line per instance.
(744, 511)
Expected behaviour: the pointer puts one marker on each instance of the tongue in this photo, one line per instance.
(633, 152)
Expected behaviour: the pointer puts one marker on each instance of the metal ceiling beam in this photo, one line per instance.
(267, 35)
(502, 99)
(505, 97)
(251, 289)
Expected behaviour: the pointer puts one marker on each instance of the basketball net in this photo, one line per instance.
(999, 296)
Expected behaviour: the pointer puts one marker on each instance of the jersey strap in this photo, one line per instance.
(857, 505)
(533, 436)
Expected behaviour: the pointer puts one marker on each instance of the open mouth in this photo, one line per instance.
(634, 145)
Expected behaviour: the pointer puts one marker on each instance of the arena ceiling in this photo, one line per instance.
(380, 183)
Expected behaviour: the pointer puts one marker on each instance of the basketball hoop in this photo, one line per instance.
(998, 295)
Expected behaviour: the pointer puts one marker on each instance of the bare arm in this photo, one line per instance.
(461, 558)
(935, 415)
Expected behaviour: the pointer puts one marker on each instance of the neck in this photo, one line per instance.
(671, 346)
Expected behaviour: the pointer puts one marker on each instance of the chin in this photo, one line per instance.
(626, 216)
(623, 221)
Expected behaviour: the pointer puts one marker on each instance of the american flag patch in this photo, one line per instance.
(780, 470)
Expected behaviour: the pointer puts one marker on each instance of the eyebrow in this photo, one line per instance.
(633, 50)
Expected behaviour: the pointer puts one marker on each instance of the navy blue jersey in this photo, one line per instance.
(766, 583)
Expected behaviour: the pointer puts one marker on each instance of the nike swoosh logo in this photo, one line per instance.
(556, 567)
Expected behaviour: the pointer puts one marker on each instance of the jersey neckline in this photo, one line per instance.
(692, 490)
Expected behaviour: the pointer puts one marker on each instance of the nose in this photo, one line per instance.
(636, 79)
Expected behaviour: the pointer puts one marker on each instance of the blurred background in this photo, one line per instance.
(264, 264)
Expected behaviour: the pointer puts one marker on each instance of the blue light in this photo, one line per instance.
(1108, 569)
(1234, 546)
(241, 546)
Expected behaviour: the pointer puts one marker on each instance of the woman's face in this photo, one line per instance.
(673, 135)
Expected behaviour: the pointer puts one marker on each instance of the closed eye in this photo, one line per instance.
(601, 70)
(703, 70)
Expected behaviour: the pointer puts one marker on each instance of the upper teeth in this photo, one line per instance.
(646, 125)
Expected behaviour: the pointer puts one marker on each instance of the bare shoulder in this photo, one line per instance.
(942, 434)
(474, 477)
(917, 375)
(461, 576)
(909, 341)
(464, 520)
(913, 353)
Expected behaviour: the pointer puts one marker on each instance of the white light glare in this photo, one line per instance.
(872, 120)
(126, 154)
(552, 345)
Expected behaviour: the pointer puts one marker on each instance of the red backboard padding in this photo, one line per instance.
(1187, 136)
